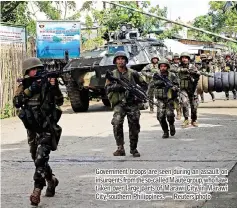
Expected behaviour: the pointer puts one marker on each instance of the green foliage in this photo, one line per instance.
(7, 111)
(24, 12)
(216, 21)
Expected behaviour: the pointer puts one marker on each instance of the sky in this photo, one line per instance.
(186, 9)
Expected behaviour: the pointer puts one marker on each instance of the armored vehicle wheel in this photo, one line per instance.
(232, 80)
(205, 84)
(79, 98)
(218, 82)
(236, 80)
(106, 102)
(200, 85)
(225, 80)
(211, 83)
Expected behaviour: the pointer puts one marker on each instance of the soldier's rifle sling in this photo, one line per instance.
(135, 90)
(167, 83)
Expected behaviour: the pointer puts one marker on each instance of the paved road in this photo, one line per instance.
(87, 143)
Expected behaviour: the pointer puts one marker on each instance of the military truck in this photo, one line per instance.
(87, 78)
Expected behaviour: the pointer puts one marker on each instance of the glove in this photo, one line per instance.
(118, 88)
(115, 88)
(35, 87)
(18, 100)
(159, 83)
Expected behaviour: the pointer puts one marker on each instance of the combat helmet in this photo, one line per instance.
(31, 63)
(185, 54)
(169, 57)
(164, 61)
(120, 53)
(203, 56)
(227, 54)
(176, 55)
(155, 56)
(209, 57)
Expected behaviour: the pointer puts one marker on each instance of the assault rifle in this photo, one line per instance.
(167, 82)
(43, 76)
(135, 90)
(194, 72)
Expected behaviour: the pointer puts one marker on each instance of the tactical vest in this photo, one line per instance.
(229, 66)
(160, 93)
(34, 101)
(154, 69)
(118, 97)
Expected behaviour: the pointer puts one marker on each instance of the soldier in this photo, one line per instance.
(229, 66)
(174, 68)
(169, 58)
(39, 113)
(148, 71)
(189, 76)
(206, 66)
(123, 104)
(165, 98)
(219, 62)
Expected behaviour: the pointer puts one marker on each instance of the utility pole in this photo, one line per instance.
(174, 22)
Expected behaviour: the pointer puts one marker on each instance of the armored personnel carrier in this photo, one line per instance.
(87, 78)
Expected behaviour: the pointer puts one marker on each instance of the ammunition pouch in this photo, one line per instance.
(185, 83)
(31, 118)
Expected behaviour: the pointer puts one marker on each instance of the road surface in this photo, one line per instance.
(87, 144)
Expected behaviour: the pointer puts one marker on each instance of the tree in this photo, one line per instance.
(217, 21)
(24, 13)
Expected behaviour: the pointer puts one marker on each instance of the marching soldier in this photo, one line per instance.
(229, 66)
(206, 66)
(39, 113)
(169, 58)
(124, 104)
(174, 68)
(165, 98)
(189, 76)
(148, 72)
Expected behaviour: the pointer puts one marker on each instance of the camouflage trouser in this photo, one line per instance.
(192, 98)
(133, 116)
(40, 147)
(150, 94)
(227, 93)
(165, 109)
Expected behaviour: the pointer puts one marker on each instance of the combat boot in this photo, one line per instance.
(194, 123)
(52, 184)
(35, 197)
(185, 123)
(135, 153)
(172, 130)
(178, 117)
(120, 151)
(165, 135)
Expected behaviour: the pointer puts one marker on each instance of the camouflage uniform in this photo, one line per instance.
(174, 68)
(206, 66)
(165, 100)
(36, 119)
(188, 87)
(229, 66)
(148, 71)
(125, 104)
(219, 62)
